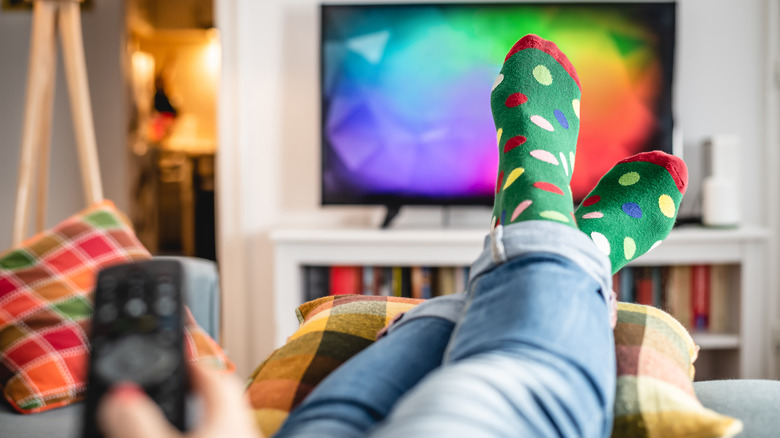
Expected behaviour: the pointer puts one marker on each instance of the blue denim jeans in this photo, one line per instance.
(526, 351)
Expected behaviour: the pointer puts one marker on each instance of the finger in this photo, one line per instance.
(225, 406)
(220, 391)
(126, 412)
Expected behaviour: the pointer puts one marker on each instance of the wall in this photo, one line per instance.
(103, 43)
(269, 118)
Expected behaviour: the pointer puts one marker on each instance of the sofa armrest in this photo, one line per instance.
(201, 285)
(755, 402)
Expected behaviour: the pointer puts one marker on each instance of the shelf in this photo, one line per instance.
(682, 235)
(737, 354)
(716, 341)
(461, 246)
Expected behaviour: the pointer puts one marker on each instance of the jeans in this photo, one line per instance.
(527, 351)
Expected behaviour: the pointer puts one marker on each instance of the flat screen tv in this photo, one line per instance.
(406, 93)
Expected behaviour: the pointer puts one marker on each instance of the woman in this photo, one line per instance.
(528, 349)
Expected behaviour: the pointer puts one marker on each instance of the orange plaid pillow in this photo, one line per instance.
(46, 306)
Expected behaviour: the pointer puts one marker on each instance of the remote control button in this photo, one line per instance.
(136, 280)
(147, 323)
(107, 313)
(165, 306)
(139, 359)
(135, 291)
(166, 336)
(108, 282)
(135, 307)
(107, 295)
(166, 289)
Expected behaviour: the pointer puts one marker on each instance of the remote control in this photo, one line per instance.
(138, 336)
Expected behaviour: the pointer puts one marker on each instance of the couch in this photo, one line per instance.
(202, 296)
(755, 402)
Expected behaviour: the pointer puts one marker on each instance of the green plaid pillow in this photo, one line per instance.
(333, 329)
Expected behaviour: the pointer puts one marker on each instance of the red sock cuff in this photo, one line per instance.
(532, 41)
(674, 165)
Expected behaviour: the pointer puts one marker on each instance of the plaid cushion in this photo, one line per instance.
(46, 305)
(655, 397)
(333, 329)
(654, 360)
(201, 348)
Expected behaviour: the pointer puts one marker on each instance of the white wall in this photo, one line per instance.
(103, 29)
(269, 121)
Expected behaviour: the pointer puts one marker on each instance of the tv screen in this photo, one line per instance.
(406, 93)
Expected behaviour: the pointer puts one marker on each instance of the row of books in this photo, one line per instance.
(699, 296)
(405, 281)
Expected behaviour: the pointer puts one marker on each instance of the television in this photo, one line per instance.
(405, 93)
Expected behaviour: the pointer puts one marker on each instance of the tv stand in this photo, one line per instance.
(392, 212)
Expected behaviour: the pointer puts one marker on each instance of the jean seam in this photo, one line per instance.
(469, 292)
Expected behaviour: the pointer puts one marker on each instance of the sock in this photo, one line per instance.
(535, 103)
(634, 206)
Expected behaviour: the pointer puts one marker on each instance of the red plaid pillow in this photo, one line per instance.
(46, 306)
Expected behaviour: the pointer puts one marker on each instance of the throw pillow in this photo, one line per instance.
(46, 284)
(655, 357)
(655, 396)
(333, 329)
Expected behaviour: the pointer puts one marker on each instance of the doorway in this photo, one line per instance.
(173, 54)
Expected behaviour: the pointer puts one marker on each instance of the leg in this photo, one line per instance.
(362, 392)
(533, 353)
(40, 91)
(78, 87)
(634, 206)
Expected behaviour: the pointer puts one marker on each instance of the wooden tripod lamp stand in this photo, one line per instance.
(48, 15)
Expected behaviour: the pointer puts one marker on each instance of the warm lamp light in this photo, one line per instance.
(143, 80)
(212, 53)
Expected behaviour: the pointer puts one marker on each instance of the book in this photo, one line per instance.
(386, 282)
(700, 296)
(417, 281)
(316, 280)
(426, 288)
(643, 285)
(445, 283)
(406, 282)
(368, 281)
(616, 284)
(396, 282)
(720, 294)
(460, 280)
(345, 280)
(678, 294)
(626, 285)
(658, 275)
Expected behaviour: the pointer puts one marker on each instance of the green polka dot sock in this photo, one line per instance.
(634, 206)
(535, 103)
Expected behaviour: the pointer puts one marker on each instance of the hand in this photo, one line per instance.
(126, 412)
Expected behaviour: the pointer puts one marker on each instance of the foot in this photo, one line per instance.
(634, 206)
(535, 103)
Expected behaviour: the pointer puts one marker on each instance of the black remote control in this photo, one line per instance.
(138, 336)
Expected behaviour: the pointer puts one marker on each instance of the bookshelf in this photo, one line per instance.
(743, 353)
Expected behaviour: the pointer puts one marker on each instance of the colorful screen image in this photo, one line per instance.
(406, 93)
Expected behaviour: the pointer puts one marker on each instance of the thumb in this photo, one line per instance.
(126, 412)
